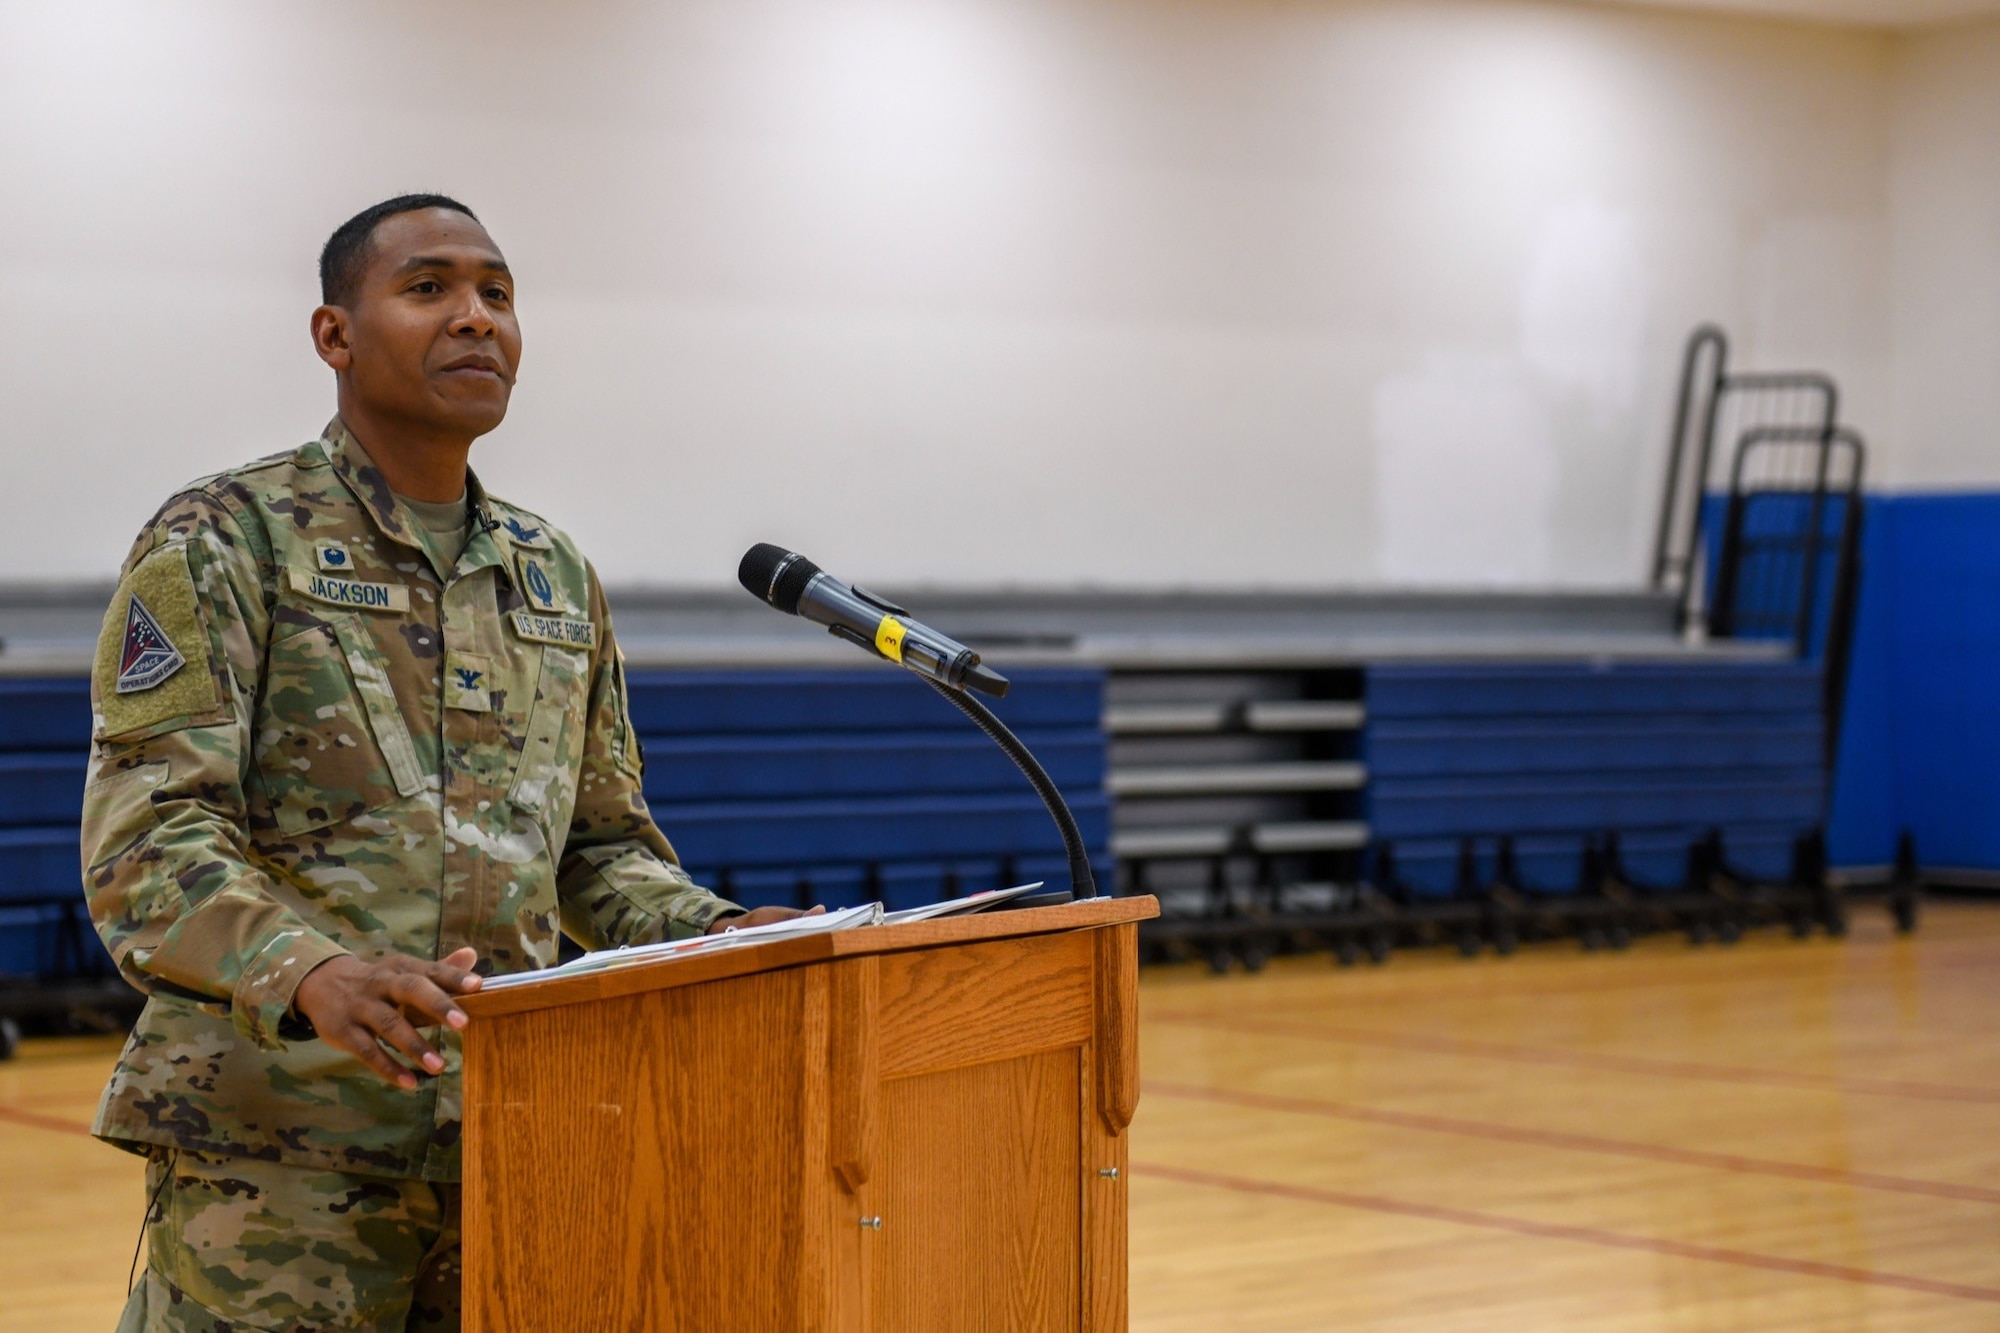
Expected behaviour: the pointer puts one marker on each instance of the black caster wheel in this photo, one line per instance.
(1697, 933)
(1468, 945)
(1505, 943)
(1254, 958)
(1346, 952)
(10, 1038)
(1801, 927)
(1378, 948)
(1219, 961)
(1619, 937)
(1728, 930)
(1591, 938)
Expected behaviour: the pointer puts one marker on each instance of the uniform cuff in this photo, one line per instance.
(687, 919)
(263, 995)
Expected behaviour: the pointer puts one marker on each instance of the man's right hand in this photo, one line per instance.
(362, 1007)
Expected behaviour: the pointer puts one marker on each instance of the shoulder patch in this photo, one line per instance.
(153, 660)
(148, 656)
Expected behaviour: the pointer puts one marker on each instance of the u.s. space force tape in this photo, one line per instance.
(558, 630)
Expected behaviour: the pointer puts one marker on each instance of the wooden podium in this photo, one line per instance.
(917, 1127)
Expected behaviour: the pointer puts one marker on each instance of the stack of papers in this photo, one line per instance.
(868, 914)
(966, 906)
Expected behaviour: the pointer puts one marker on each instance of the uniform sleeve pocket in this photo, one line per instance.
(118, 810)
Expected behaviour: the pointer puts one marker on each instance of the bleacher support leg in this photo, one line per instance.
(1906, 885)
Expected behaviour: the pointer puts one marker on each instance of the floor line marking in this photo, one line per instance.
(1549, 1138)
(34, 1120)
(1616, 1240)
(1601, 1062)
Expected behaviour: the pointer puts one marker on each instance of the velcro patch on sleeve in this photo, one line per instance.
(558, 630)
(350, 592)
(153, 663)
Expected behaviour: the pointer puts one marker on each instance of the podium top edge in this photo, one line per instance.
(667, 973)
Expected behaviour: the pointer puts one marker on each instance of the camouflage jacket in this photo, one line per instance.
(312, 737)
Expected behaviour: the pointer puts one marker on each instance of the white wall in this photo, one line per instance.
(1135, 292)
(1947, 261)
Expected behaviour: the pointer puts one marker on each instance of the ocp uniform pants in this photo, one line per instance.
(236, 1244)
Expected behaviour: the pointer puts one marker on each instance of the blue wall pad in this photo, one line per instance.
(1922, 725)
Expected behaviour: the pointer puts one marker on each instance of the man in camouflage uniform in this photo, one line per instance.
(361, 738)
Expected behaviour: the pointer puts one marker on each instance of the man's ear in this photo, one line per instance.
(330, 331)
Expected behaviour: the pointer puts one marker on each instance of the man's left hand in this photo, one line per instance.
(761, 916)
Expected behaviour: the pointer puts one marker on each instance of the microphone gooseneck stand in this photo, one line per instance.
(1083, 883)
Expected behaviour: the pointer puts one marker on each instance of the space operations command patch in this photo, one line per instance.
(152, 669)
(149, 656)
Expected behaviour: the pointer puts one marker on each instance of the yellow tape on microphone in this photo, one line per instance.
(889, 638)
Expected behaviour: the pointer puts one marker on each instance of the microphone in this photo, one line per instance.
(798, 587)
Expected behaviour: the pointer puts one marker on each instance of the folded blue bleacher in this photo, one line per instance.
(841, 786)
(1562, 757)
(838, 786)
(44, 735)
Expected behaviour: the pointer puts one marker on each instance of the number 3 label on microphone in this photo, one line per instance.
(889, 638)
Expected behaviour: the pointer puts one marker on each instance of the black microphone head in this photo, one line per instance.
(777, 576)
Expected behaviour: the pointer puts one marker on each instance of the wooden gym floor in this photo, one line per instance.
(1781, 1135)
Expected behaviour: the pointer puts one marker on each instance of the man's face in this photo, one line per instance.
(429, 337)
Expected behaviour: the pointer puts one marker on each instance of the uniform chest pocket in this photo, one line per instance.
(331, 743)
(552, 749)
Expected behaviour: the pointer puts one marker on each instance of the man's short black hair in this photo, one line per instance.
(345, 254)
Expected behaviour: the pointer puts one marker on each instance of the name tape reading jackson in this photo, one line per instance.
(351, 592)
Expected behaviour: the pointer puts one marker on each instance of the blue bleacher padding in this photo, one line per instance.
(44, 714)
(28, 940)
(685, 768)
(37, 864)
(1441, 747)
(883, 698)
(784, 833)
(1520, 690)
(1557, 803)
(1557, 756)
(41, 787)
(864, 782)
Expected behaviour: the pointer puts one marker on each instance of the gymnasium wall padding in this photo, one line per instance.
(1920, 743)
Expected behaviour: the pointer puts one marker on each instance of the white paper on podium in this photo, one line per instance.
(971, 902)
(868, 914)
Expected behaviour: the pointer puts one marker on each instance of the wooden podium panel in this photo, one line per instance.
(894, 1128)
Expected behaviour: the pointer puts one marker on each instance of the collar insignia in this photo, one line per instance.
(465, 682)
(534, 538)
(149, 656)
